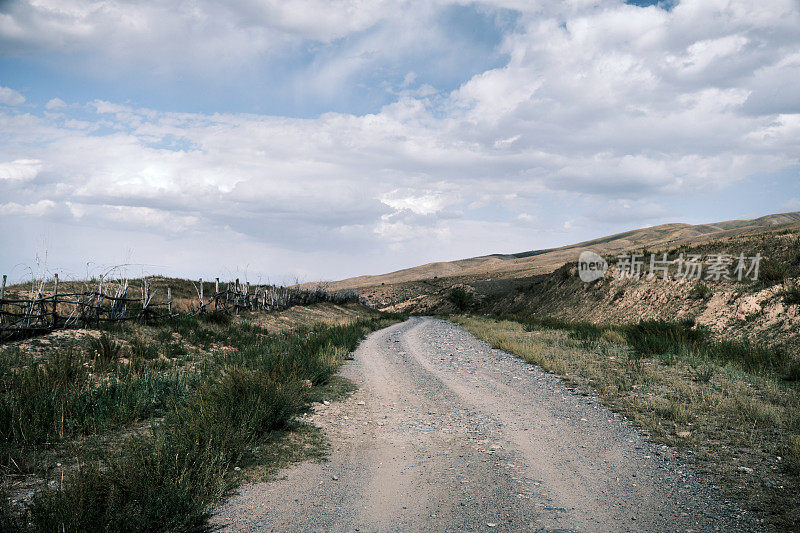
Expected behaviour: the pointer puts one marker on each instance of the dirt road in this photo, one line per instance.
(446, 433)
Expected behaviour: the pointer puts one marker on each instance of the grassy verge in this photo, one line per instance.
(221, 395)
(729, 407)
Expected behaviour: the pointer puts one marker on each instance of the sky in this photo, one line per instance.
(280, 140)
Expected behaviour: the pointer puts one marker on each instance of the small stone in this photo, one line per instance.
(236, 468)
(335, 477)
(361, 402)
(491, 524)
(745, 469)
(683, 434)
(325, 402)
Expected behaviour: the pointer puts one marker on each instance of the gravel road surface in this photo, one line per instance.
(447, 434)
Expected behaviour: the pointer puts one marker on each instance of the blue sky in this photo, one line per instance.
(317, 140)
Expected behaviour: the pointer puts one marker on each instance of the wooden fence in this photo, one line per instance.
(118, 300)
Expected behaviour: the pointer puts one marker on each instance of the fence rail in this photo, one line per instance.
(116, 301)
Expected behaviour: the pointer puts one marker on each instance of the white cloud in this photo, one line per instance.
(427, 203)
(169, 35)
(55, 103)
(20, 169)
(609, 104)
(37, 209)
(10, 97)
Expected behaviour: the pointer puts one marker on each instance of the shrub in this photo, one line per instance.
(700, 291)
(104, 349)
(460, 298)
(142, 350)
(657, 337)
(791, 296)
(704, 374)
(613, 336)
(219, 318)
(771, 272)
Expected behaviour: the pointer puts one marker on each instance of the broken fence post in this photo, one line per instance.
(2, 296)
(55, 300)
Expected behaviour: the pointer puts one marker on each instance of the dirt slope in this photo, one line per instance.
(447, 434)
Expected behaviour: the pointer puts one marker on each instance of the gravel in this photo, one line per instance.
(447, 434)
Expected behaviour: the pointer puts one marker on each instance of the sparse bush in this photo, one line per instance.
(219, 318)
(791, 296)
(460, 298)
(704, 373)
(104, 349)
(613, 336)
(793, 372)
(164, 335)
(700, 291)
(142, 350)
(657, 337)
(771, 272)
(792, 454)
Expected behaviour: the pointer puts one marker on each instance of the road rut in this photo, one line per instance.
(447, 434)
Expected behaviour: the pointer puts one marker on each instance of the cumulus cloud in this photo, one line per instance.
(20, 169)
(10, 97)
(605, 110)
(39, 208)
(55, 103)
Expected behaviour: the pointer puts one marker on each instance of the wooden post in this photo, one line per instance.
(2, 296)
(144, 299)
(236, 297)
(99, 299)
(201, 293)
(55, 300)
(169, 302)
(216, 294)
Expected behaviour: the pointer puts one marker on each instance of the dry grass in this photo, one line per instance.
(724, 420)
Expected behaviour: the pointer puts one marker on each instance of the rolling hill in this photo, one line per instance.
(530, 263)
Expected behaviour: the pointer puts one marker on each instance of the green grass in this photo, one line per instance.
(680, 339)
(46, 402)
(215, 414)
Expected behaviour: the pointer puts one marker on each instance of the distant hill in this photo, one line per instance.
(523, 264)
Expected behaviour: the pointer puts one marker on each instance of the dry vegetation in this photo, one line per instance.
(729, 409)
(145, 426)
